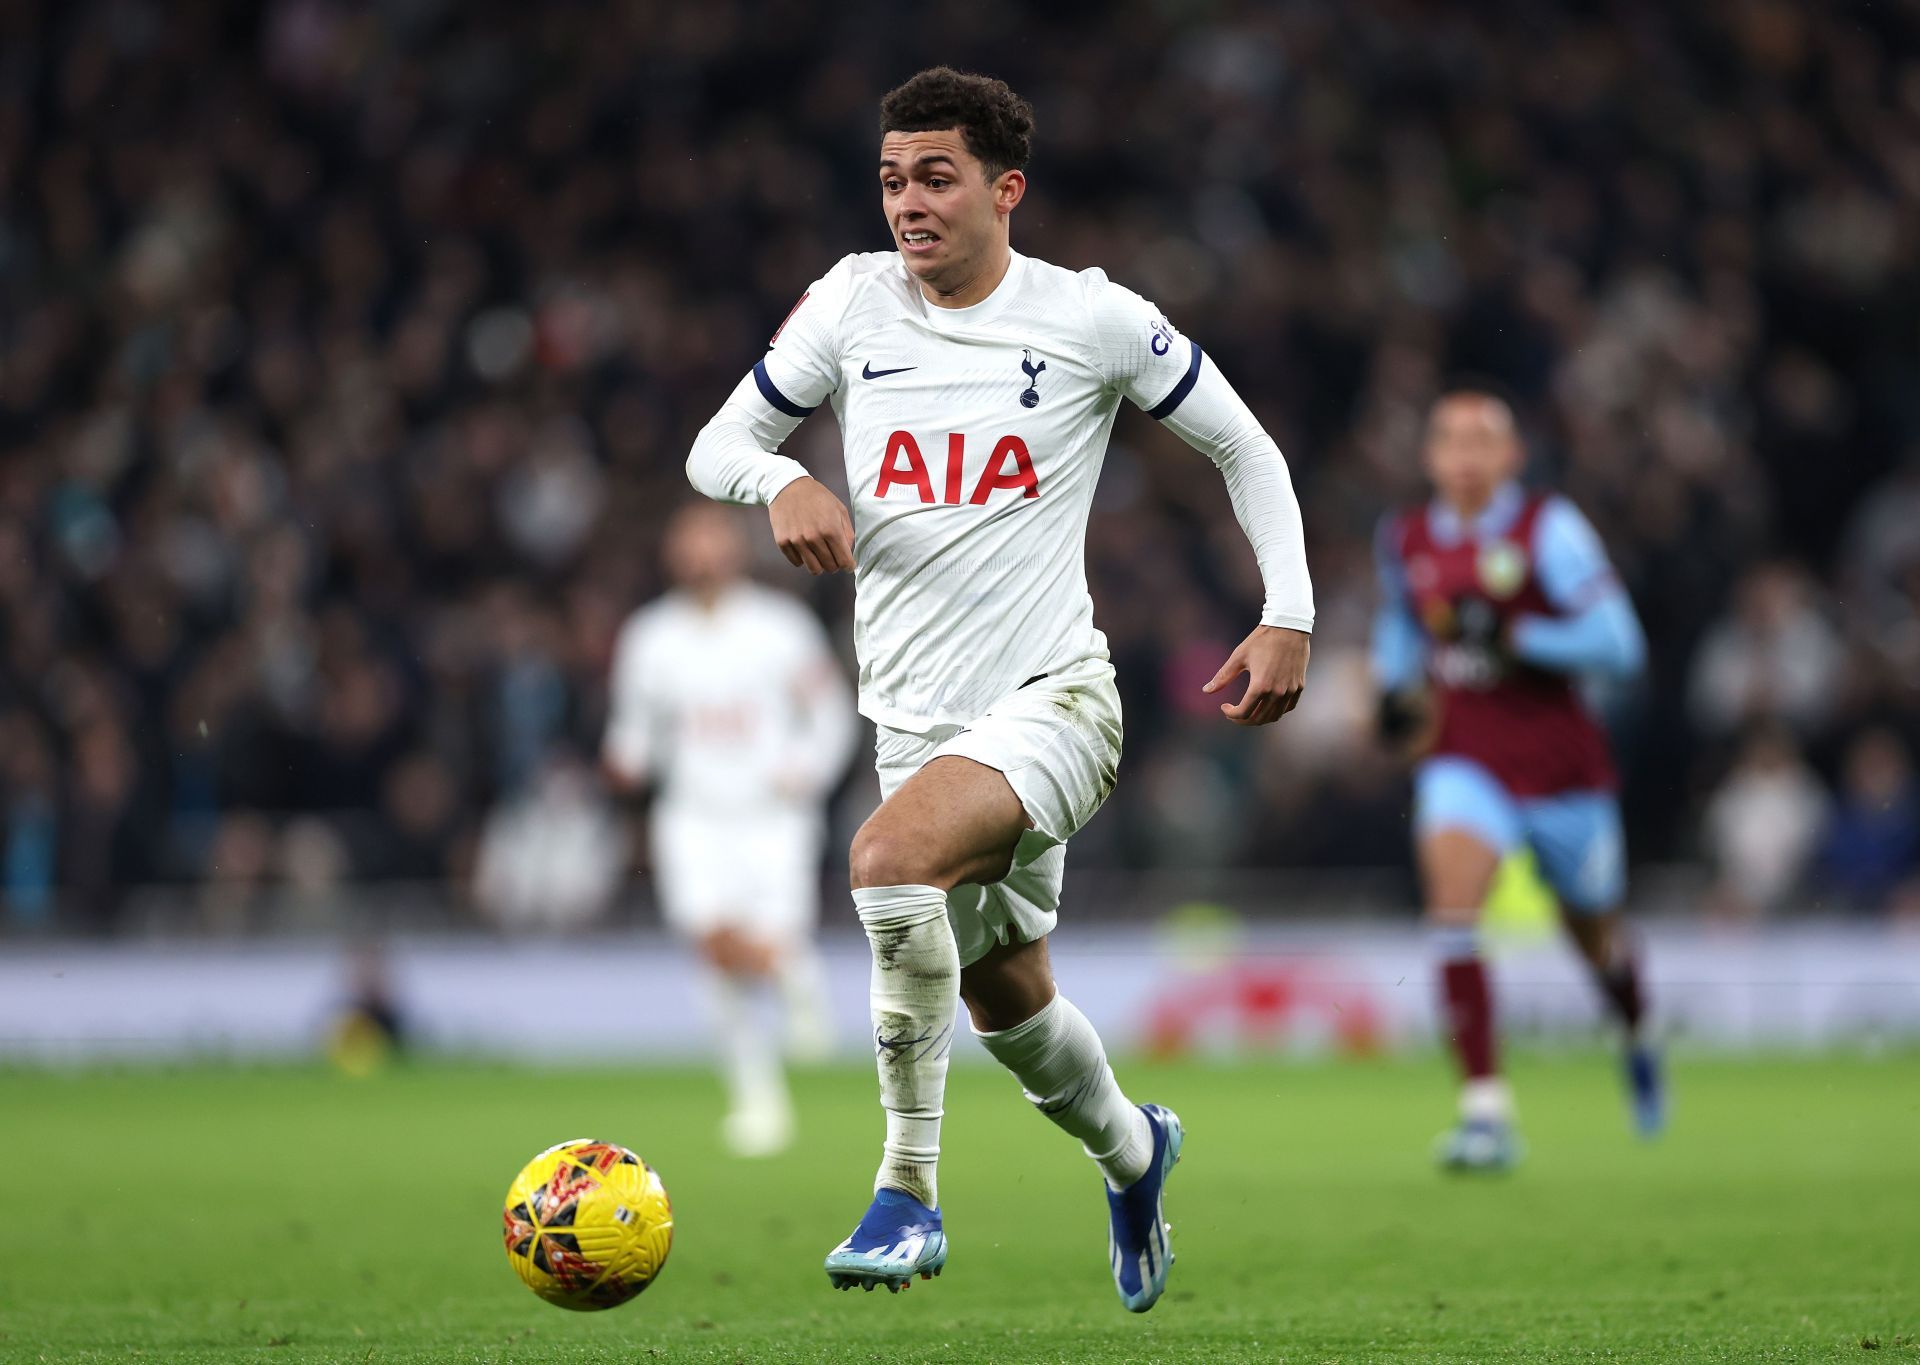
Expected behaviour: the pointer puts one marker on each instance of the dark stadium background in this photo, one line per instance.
(349, 354)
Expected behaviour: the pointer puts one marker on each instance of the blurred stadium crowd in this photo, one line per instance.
(350, 353)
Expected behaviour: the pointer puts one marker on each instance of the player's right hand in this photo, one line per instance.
(812, 527)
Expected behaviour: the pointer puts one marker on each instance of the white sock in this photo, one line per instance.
(916, 984)
(1451, 942)
(748, 1059)
(1487, 1099)
(1058, 1060)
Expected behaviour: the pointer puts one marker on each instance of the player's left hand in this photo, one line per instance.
(1275, 662)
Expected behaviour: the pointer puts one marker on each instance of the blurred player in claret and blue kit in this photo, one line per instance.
(1495, 602)
(975, 390)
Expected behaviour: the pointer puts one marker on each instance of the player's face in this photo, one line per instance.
(1471, 448)
(945, 214)
(704, 550)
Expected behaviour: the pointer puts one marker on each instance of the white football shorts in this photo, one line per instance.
(1057, 740)
(756, 870)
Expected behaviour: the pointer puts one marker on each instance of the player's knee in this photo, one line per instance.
(1456, 874)
(737, 953)
(884, 857)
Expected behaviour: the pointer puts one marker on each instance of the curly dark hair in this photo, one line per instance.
(996, 124)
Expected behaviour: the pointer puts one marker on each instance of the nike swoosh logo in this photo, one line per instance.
(868, 372)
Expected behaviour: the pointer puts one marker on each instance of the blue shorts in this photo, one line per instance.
(1575, 836)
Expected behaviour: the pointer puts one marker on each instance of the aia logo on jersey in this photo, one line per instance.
(1010, 465)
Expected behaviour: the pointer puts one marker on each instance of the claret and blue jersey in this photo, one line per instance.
(1500, 617)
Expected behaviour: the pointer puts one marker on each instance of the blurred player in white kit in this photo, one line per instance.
(728, 701)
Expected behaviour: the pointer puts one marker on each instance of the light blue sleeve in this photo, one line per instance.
(1399, 646)
(1600, 632)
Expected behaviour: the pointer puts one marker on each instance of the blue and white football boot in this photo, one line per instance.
(1486, 1145)
(899, 1238)
(1646, 1089)
(1137, 1229)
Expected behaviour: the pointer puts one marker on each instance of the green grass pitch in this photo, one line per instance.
(204, 1214)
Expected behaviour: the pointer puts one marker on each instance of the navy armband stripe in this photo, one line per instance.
(1166, 405)
(771, 392)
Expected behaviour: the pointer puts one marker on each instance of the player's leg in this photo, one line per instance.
(693, 878)
(802, 980)
(1606, 942)
(1581, 849)
(1059, 745)
(739, 965)
(1464, 824)
(792, 917)
(984, 819)
(952, 821)
(1053, 1051)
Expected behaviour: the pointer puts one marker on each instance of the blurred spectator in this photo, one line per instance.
(99, 825)
(371, 1027)
(1872, 850)
(1763, 826)
(238, 865)
(1882, 542)
(28, 862)
(418, 821)
(551, 857)
(1774, 658)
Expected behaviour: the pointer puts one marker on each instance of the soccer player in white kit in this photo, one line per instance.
(726, 696)
(975, 389)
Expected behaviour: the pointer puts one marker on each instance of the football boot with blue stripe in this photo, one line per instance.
(1479, 1144)
(1137, 1235)
(1646, 1089)
(899, 1238)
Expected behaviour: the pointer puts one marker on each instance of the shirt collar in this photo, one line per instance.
(944, 319)
(1495, 517)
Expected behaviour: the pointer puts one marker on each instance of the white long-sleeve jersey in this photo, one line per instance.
(729, 708)
(973, 439)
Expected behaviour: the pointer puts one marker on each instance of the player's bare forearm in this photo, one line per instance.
(1274, 659)
(812, 527)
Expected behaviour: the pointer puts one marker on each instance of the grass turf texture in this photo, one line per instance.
(228, 1214)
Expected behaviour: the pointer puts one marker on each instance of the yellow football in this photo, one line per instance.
(588, 1224)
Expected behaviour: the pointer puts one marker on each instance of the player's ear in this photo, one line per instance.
(1008, 190)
